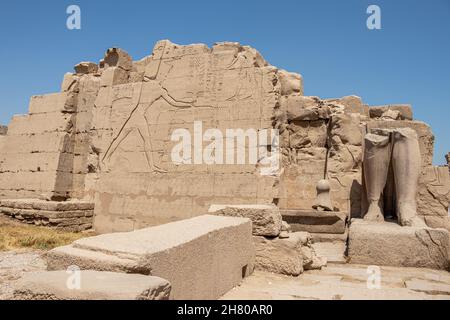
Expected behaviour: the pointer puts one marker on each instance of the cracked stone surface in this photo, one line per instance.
(346, 282)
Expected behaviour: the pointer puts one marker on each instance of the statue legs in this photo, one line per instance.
(376, 167)
(407, 166)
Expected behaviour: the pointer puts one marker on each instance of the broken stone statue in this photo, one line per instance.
(398, 148)
(323, 202)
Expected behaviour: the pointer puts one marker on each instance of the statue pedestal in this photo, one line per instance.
(389, 244)
(313, 221)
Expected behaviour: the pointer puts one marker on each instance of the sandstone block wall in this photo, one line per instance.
(71, 216)
(139, 106)
(44, 151)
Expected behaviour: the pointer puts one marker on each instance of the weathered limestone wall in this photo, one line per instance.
(43, 152)
(106, 138)
(140, 105)
(323, 138)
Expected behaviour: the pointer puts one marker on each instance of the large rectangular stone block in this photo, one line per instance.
(389, 244)
(56, 102)
(202, 258)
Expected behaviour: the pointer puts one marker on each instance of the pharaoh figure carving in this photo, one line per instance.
(398, 149)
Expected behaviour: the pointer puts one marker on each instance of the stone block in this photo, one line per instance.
(389, 244)
(290, 83)
(405, 111)
(434, 192)
(93, 285)
(202, 258)
(266, 219)
(86, 68)
(315, 221)
(289, 256)
(349, 104)
(301, 108)
(114, 76)
(426, 136)
(55, 102)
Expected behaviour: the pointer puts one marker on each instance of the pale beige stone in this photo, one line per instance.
(323, 201)
(389, 244)
(266, 219)
(404, 111)
(116, 57)
(202, 258)
(315, 222)
(434, 193)
(300, 108)
(376, 165)
(94, 285)
(57, 102)
(406, 150)
(424, 133)
(402, 146)
(86, 68)
(287, 256)
(290, 83)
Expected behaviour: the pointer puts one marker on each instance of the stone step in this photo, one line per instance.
(316, 221)
(333, 251)
(329, 237)
(90, 285)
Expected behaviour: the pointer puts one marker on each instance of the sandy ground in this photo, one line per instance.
(13, 264)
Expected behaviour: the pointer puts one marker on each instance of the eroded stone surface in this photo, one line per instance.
(289, 256)
(94, 285)
(266, 219)
(345, 282)
(202, 257)
(72, 216)
(388, 244)
(106, 138)
(316, 222)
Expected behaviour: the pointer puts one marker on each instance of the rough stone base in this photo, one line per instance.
(289, 256)
(72, 216)
(266, 219)
(316, 222)
(389, 244)
(203, 257)
(94, 285)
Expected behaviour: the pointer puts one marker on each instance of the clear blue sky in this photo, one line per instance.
(408, 61)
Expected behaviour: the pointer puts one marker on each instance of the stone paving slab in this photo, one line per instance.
(345, 282)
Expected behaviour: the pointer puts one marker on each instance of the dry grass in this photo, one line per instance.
(15, 235)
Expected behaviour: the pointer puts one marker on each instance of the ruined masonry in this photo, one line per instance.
(98, 154)
(105, 139)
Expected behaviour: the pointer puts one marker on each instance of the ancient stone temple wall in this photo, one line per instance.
(108, 138)
(141, 104)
